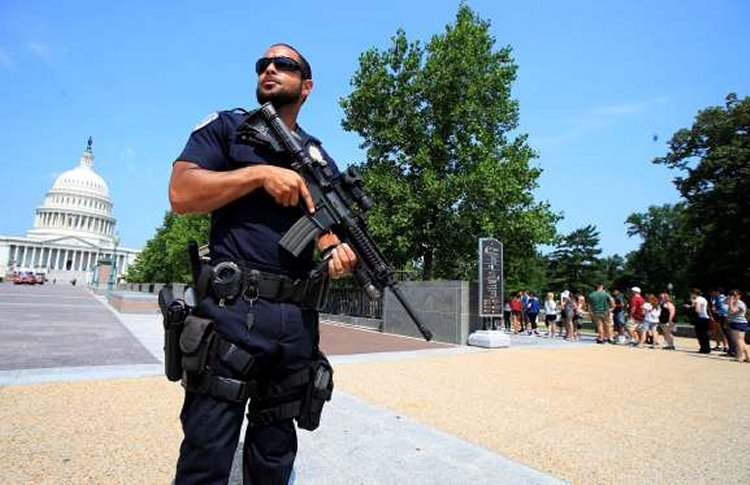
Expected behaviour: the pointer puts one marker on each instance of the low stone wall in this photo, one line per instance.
(443, 306)
(447, 308)
(133, 302)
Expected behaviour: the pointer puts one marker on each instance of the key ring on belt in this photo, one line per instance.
(250, 290)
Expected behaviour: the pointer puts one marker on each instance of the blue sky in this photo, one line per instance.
(596, 82)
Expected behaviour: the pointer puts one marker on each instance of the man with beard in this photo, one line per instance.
(260, 308)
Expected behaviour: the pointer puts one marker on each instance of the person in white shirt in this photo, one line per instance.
(550, 314)
(701, 320)
(651, 312)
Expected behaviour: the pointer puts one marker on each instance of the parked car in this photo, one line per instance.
(25, 278)
(41, 278)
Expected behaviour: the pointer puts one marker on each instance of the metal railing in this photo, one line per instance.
(353, 302)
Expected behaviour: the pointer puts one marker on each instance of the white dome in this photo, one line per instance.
(82, 179)
(78, 204)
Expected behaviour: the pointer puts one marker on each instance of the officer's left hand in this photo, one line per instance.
(342, 262)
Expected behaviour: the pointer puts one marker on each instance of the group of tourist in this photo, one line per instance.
(637, 320)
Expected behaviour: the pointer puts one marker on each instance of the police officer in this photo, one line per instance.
(253, 197)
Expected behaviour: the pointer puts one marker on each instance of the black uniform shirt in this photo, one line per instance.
(248, 229)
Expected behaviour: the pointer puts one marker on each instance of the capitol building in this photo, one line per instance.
(74, 238)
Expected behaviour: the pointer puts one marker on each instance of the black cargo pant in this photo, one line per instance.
(701, 333)
(281, 337)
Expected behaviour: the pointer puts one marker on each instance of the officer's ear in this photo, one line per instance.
(307, 85)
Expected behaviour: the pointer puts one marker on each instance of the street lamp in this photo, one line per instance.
(113, 271)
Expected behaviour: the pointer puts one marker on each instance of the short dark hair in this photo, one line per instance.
(306, 69)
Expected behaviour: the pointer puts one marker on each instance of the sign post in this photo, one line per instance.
(490, 295)
(490, 279)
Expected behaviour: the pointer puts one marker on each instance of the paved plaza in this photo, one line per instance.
(83, 399)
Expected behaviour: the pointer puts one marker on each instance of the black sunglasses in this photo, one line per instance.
(282, 63)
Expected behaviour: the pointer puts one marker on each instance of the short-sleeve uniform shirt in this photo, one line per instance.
(249, 228)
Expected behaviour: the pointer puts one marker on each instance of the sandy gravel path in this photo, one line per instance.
(593, 414)
(588, 414)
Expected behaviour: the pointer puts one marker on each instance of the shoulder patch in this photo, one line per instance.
(208, 119)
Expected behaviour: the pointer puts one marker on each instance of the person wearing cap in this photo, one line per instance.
(265, 336)
(635, 324)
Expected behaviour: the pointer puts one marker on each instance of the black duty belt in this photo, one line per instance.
(228, 280)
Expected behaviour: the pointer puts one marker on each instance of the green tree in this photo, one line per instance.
(713, 157)
(165, 258)
(442, 164)
(613, 271)
(575, 264)
(667, 251)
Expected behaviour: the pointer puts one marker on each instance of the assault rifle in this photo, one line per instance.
(339, 204)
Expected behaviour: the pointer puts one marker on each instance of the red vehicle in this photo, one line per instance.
(25, 278)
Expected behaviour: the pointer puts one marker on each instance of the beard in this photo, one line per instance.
(280, 98)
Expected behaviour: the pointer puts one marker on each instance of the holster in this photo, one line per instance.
(317, 393)
(174, 314)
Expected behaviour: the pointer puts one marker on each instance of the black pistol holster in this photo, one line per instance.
(174, 312)
(300, 395)
(318, 392)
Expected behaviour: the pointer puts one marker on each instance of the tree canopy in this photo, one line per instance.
(574, 264)
(668, 247)
(165, 257)
(444, 164)
(713, 158)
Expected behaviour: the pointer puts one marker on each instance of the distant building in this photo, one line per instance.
(74, 235)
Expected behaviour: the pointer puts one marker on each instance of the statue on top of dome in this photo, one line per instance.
(91, 141)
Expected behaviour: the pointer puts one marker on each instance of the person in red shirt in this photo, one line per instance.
(515, 310)
(635, 325)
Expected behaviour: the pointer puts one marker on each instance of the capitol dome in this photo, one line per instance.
(82, 179)
(78, 204)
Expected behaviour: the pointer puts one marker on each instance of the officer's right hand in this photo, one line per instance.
(287, 187)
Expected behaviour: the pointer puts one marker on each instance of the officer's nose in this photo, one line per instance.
(270, 68)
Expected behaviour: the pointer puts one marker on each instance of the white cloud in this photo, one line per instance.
(5, 60)
(128, 157)
(40, 51)
(599, 117)
(629, 108)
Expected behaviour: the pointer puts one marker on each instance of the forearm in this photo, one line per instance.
(732, 308)
(196, 190)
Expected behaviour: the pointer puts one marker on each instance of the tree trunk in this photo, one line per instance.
(427, 267)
